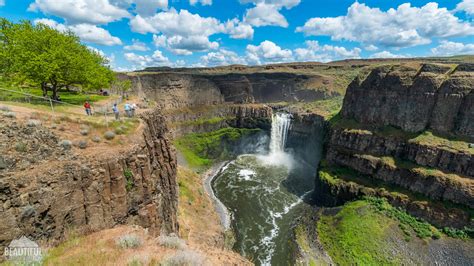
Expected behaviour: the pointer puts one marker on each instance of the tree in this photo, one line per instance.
(49, 58)
(122, 86)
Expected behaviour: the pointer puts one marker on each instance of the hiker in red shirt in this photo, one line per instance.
(87, 106)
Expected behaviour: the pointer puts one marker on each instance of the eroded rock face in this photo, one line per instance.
(179, 90)
(415, 100)
(212, 118)
(63, 191)
(445, 159)
(364, 157)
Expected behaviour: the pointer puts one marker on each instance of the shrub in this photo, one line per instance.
(20, 147)
(119, 130)
(10, 114)
(33, 123)
(82, 144)
(129, 241)
(138, 261)
(65, 144)
(84, 132)
(5, 108)
(96, 139)
(184, 257)
(109, 135)
(127, 173)
(172, 241)
(456, 233)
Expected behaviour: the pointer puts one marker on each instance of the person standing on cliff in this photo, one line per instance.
(116, 111)
(87, 106)
(127, 109)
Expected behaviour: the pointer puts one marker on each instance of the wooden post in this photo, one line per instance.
(51, 103)
(105, 115)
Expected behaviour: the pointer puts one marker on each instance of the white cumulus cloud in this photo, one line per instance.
(136, 46)
(156, 59)
(402, 27)
(86, 32)
(325, 53)
(81, 11)
(267, 12)
(453, 48)
(466, 6)
(221, 58)
(238, 30)
(184, 33)
(386, 54)
(267, 52)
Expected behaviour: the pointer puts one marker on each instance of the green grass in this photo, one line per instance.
(356, 235)
(448, 143)
(124, 126)
(327, 108)
(420, 227)
(201, 149)
(202, 121)
(71, 97)
(426, 138)
(333, 175)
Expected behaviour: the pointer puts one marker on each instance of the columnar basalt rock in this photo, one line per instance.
(182, 90)
(402, 135)
(415, 99)
(62, 191)
(212, 118)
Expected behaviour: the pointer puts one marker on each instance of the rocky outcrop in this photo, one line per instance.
(172, 91)
(435, 98)
(179, 90)
(269, 87)
(375, 146)
(337, 192)
(433, 184)
(306, 136)
(211, 118)
(440, 157)
(62, 191)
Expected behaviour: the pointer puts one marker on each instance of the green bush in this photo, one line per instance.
(421, 228)
(127, 173)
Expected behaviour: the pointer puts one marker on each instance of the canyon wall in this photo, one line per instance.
(306, 137)
(211, 118)
(179, 90)
(403, 134)
(436, 97)
(52, 190)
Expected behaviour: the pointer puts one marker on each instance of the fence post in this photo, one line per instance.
(105, 115)
(51, 103)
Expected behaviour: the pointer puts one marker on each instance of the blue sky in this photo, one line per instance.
(135, 34)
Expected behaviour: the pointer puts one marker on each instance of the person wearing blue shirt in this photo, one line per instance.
(116, 111)
(128, 109)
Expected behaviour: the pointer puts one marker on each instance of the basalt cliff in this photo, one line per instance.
(404, 134)
(46, 189)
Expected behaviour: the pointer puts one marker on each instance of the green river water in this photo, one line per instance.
(264, 195)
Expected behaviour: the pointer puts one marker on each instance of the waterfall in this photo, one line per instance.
(280, 125)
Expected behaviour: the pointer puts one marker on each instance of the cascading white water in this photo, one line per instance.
(280, 125)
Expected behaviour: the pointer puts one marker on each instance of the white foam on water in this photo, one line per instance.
(247, 174)
(280, 126)
(277, 157)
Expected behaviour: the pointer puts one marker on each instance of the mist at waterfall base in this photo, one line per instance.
(264, 193)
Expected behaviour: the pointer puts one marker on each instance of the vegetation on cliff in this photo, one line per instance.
(372, 232)
(356, 235)
(200, 149)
